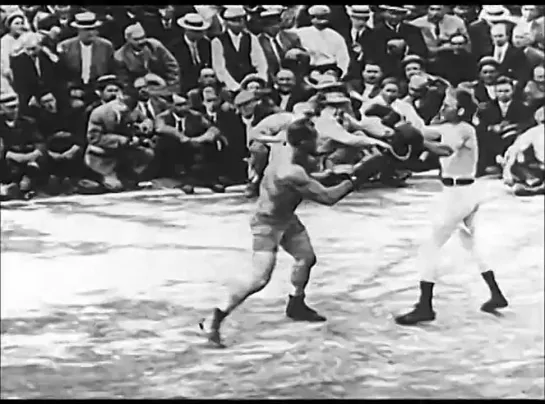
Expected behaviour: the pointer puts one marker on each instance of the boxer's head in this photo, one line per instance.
(302, 136)
(458, 106)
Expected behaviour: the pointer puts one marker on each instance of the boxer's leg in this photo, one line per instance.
(467, 238)
(296, 242)
(259, 158)
(266, 239)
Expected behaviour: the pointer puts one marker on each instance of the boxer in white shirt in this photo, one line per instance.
(460, 201)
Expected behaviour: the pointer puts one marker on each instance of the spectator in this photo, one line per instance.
(534, 91)
(150, 105)
(456, 64)
(192, 50)
(425, 100)
(286, 93)
(479, 31)
(116, 148)
(484, 88)
(33, 70)
(24, 146)
(64, 141)
(65, 15)
(274, 40)
(207, 78)
(511, 60)
(258, 86)
(254, 22)
(438, 28)
(49, 28)
(9, 44)
(500, 122)
(324, 45)
(372, 76)
(187, 137)
(522, 40)
(298, 61)
(211, 14)
(393, 27)
(142, 55)
(467, 13)
(108, 88)
(162, 24)
(361, 43)
(86, 57)
(237, 53)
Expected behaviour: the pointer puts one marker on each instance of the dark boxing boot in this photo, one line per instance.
(497, 300)
(422, 310)
(213, 334)
(298, 310)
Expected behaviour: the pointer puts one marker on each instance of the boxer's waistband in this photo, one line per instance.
(452, 182)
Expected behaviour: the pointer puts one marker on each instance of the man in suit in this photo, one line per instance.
(393, 27)
(274, 40)
(191, 49)
(484, 87)
(479, 31)
(141, 55)
(187, 138)
(150, 105)
(512, 61)
(117, 149)
(286, 93)
(503, 112)
(438, 28)
(24, 147)
(107, 88)
(87, 56)
(456, 64)
(369, 86)
(236, 52)
(161, 23)
(33, 71)
(360, 43)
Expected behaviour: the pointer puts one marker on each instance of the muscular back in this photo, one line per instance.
(462, 138)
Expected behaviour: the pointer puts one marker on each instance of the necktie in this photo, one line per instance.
(166, 23)
(194, 53)
(437, 30)
(180, 125)
(278, 48)
(149, 112)
(499, 54)
(37, 65)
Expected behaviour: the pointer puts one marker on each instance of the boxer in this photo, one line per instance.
(461, 199)
(286, 183)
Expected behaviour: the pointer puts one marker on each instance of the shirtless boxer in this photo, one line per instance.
(461, 199)
(286, 183)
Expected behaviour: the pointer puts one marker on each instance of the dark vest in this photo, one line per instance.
(238, 64)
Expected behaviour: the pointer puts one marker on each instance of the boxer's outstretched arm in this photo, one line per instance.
(310, 188)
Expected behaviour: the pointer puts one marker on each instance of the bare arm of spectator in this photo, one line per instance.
(97, 136)
(258, 57)
(218, 64)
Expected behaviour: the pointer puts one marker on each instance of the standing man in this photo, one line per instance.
(236, 52)
(286, 184)
(461, 199)
(324, 45)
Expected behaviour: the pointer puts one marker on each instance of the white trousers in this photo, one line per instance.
(455, 211)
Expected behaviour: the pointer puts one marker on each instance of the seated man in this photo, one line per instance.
(524, 162)
(25, 151)
(107, 88)
(118, 148)
(65, 143)
(207, 78)
(186, 138)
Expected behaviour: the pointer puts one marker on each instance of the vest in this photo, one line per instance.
(238, 64)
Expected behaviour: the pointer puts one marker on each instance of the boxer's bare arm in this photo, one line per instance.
(267, 130)
(311, 189)
(334, 131)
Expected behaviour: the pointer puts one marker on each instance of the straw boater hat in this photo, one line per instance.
(251, 78)
(487, 60)
(9, 98)
(320, 12)
(106, 80)
(412, 59)
(244, 97)
(193, 22)
(86, 20)
(11, 17)
(232, 12)
(496, 13)
(358, 11)
(272, 12)
(395, 9)
(323, 82)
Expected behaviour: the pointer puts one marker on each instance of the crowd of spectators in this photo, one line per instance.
(102, 98)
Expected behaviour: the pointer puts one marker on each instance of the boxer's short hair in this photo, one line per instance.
(300, 131)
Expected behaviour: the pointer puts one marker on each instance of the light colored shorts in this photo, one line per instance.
(268, 234)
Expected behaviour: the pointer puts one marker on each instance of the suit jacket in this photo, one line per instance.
(517, 113)
(287, 41)
(479, 34)
(450, 25)
(411, 34)
(189, 71)
(101, 58)
(480, 92)
(534, 56)
(359, 52)
(195, 125)
(296, 96)
(513, 64)
(155, 58)
(104, 130)
(23, 137)
(26, 80)
(158, 106)
(455, 68)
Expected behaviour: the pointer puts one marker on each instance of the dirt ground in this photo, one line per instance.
(101, 295)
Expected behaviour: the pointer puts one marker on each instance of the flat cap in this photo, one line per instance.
(244, 97)
(488, 60)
